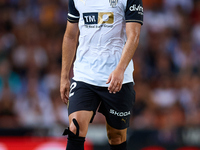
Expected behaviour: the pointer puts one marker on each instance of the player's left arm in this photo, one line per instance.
(116, 77)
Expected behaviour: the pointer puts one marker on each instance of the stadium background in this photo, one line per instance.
(167, 76)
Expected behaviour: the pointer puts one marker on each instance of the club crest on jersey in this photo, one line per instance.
(113, 3)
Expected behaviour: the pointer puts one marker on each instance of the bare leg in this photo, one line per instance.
(78, 126)
(116, 138)
(83, 118)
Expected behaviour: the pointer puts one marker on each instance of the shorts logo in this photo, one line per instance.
(120, 114)
(113, 3)
(124, 120)
(73, 85)
(136, 8)
(98, 18)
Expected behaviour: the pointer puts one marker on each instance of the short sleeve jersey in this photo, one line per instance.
(102, 37)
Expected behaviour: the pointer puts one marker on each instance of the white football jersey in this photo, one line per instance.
(102, 37)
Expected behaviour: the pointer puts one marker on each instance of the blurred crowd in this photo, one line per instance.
(167, 70)
(31, 33)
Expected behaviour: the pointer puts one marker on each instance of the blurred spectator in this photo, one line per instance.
(8, 116)
(34, 106)
(184, 4)
(9, 78)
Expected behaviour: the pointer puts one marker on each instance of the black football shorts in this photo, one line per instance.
(115, 107)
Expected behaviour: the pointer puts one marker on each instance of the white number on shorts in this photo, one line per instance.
(73, 85)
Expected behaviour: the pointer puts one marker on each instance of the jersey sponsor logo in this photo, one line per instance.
(90, 18)
(138, 8)
(98, 18)
(113, 3)
(121, 114)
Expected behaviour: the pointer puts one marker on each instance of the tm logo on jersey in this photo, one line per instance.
(98, 18)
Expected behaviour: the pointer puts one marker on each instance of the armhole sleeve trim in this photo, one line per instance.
(72, 16)
(72, 21)
(134, 21)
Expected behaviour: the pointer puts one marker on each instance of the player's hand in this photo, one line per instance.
(115, 79)
(64, 89)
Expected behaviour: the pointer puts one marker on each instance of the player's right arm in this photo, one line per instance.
(69, 46)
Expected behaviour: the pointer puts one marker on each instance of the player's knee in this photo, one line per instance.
(115, 140)
(75, 141)
(77, 128)
(73, 128)
(116, 137)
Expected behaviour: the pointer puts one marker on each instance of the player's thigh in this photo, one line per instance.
(83, 118)
(82, 98)
(116, 136)
(117, 107)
